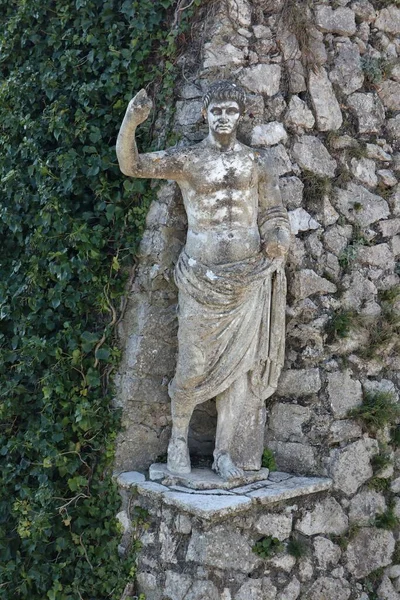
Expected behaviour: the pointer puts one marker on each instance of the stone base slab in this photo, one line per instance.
(203, 479)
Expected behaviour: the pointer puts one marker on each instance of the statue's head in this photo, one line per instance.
(223, 105)
(225, 90)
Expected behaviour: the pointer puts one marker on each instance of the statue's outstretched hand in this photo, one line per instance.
(139, 108)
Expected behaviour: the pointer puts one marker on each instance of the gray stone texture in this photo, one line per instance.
(365, 506)
(329, 588)
(311, 155)
(325, 104)
(370, 549)
(347, 72)
(350, 467)
(328, 517)
(344, 393)
(296, 383)
(261, 79)
(359, 205)
(340, 21)
(369, 111)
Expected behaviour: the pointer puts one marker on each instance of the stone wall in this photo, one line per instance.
(323, 85)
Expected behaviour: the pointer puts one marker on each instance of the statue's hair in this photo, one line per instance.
(225, 90)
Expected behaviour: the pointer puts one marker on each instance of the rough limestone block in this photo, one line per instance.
(203, 589)
(282, 562)
(279, 159)
(296, 383)
(277, 525)
(365, 506)
(327, 588)
(326, 552)
(377, 256)
(325, 104)
(286, 422)
(222, 548)
(207, 506)
(327, 517)
(340, 21)
(222, 56)
(370, 549)
(344, 393)
(294, 457)
(188, 112)
(344, 431)
(268, 135)
(251, 590)
(291, 192)
(262, 79)
(307, 283)
(291, 591)
(350, 467)
(240, 12)
(311, 155)
(388, 20)
(298, 116)
(364, 170)
(290, 488)
(360, 206)
(386, 590)
(301, 220)
(336, 238)
(369, 111)
(389, 93)
(176, 586)
(347, 72)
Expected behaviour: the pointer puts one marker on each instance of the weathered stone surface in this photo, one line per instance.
(393, 127)
(203, 589)
(359, 205)
(324, 101)
(307, 282)
(301, 220)
(176, 585)
(347, 72)
(183, 524)
(386, 590)
(326, 552)
(327, 588)
(370, 549)
(364, 10)
(240, 12)
(291, 191)
(278, 159)
(202, 478)
(269, 134)
(298, 116)
(147, 584)
(262, 79)
(286, 421)
(377, 153)
(327, 213)
(364, 507)
(251, 590)
(389, 93)
(360, 291)
(388, 20)
(350, 467)
(384, 385)
(344, 431)
(344, 392)
(291, 487)
(311, 155)
(130, 479)
(364, 170)
(188, 112)
(377, 256)
(340, 21)
(222, 56)
(306, 570)
(277, 525)
(207, 506)
(327, 517)
(294, 457)
(222, 548)
(282, 562)
(387, 177)
(291, 591)
(296, 383)
(369, 111)
(336, 238)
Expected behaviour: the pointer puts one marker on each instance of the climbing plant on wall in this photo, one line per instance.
(69, 223)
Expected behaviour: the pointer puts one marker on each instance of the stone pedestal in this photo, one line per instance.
(200, 544)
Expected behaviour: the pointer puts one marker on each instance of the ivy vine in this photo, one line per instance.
(69, 227)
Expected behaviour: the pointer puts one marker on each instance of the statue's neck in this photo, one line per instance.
(223, 143)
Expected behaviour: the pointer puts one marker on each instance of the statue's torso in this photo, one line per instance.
(220, 193)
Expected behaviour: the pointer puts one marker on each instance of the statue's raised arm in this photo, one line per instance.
(160, 165)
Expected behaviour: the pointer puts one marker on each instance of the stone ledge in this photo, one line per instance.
(217, 502)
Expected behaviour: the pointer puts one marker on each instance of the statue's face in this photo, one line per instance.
(223, 116)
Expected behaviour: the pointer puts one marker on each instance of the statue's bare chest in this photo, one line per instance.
(213, 171)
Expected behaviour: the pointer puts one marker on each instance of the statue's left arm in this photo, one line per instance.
(272, 216)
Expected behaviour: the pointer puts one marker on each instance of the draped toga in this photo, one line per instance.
(231, 322)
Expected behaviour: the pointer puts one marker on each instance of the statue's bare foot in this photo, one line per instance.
(224, 466)
(178, 456)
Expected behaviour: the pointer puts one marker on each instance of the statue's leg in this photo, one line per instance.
(240, 426)
(178, 450)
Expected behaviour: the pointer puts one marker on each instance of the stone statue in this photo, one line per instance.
(230, 276)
